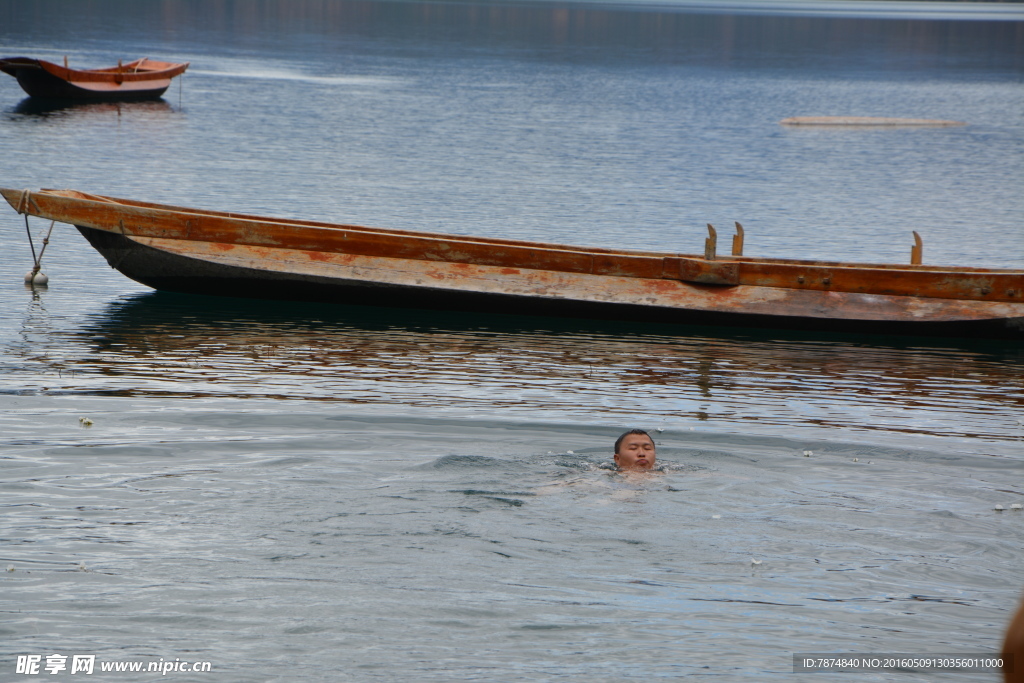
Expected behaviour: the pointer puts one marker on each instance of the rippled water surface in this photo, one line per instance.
(300, 492)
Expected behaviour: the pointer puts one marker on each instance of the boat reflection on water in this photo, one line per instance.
(33, 106)
(163, 344)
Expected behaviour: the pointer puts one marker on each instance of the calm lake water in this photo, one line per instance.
(298, 492)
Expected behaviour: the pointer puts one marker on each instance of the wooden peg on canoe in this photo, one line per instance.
(65, 61)
(711, 243)
(916, 250)
(737, 241)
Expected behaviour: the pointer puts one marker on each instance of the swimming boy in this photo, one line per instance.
(634, 451)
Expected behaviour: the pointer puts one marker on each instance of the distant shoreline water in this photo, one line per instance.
(946, 10)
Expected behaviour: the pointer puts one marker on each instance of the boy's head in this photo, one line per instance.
(634, 450)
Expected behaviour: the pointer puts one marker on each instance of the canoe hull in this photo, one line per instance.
(298, 275)
(232, 254)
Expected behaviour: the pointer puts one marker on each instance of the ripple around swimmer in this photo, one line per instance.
(471, 462)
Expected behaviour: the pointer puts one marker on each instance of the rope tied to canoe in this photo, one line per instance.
(37, 260)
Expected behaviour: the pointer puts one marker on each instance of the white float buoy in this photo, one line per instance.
(1017, 506)
(754, 562)
(36, 277)
(808, 454)
(716, 516)
(81, 567)
(998, 508)
(85, 422)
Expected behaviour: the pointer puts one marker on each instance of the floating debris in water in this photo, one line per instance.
(754, 562)
(570, 453)
(808, 454)
(10, 567)
(855, 459)
(875, 121)
(998, 508)
(85, 422)
(81, 567)
(660, 430)
(716, 516)
(1017, 506)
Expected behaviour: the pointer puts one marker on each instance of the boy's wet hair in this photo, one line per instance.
(618, 441)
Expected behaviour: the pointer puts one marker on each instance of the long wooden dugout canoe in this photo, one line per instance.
(138, 80)
(228, 254)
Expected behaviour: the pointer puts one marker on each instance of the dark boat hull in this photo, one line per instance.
(173, 272)
(44, 85)
(139, 80)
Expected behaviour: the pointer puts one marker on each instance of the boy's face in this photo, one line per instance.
(636, 452)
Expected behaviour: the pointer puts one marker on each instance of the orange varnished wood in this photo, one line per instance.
(139, 70)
